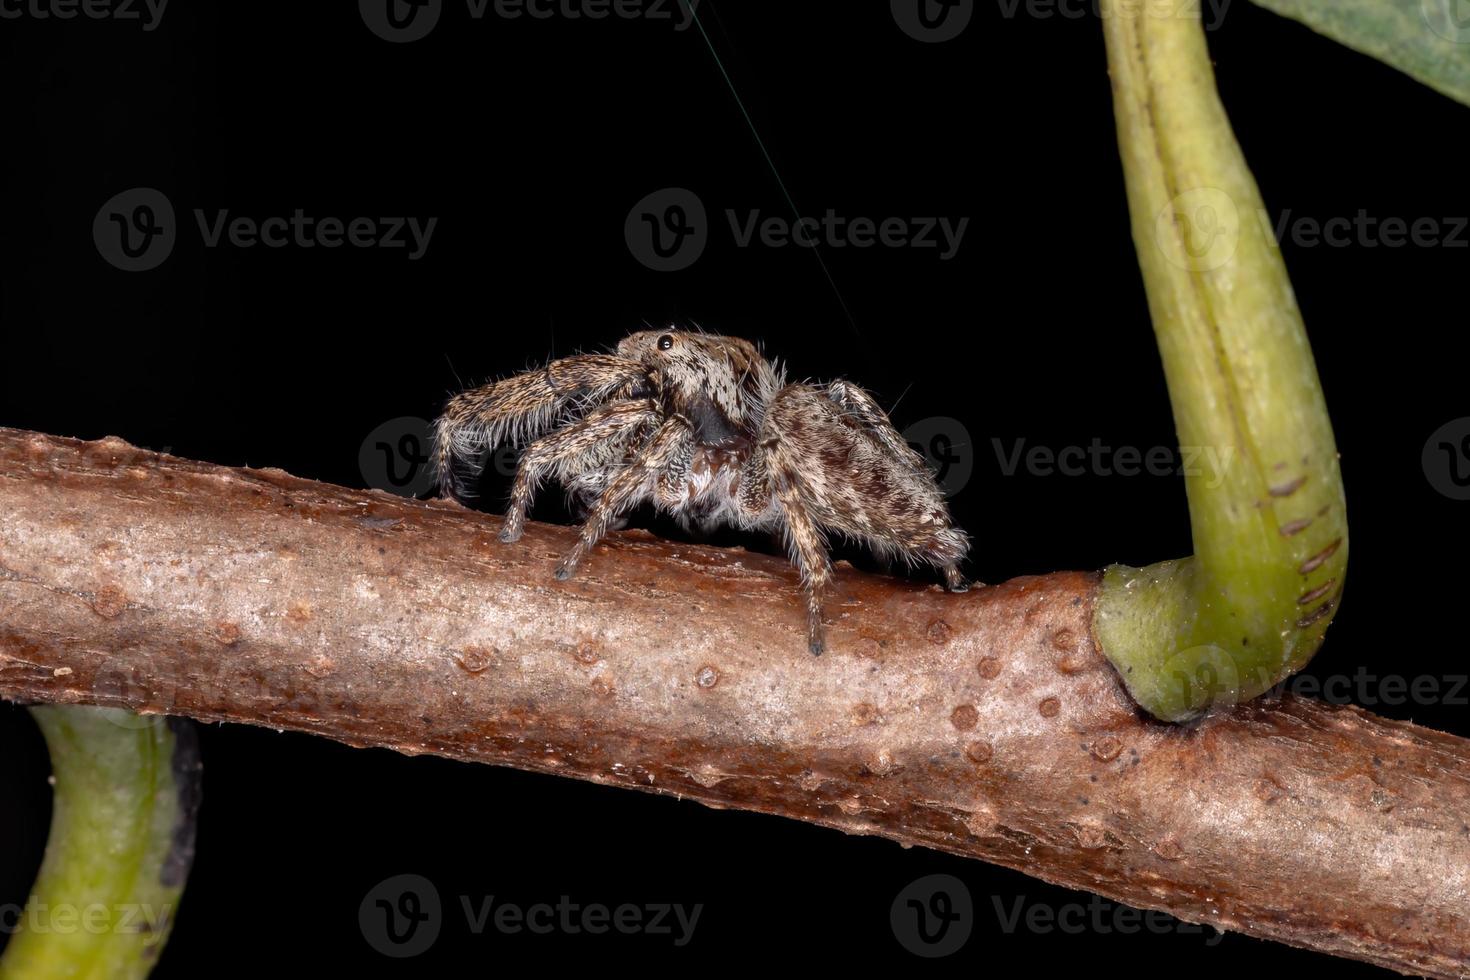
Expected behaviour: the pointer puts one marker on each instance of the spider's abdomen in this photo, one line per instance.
(854, 483)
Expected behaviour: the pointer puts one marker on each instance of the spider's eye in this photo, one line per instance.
(666, 341)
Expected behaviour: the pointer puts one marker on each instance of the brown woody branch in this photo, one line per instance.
(985, 725)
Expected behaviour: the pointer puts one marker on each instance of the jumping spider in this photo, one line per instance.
(709, 431)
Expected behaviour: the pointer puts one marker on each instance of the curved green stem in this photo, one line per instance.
(122, 840)
(1265, 493)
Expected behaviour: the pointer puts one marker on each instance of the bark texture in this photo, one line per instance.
(984, 724)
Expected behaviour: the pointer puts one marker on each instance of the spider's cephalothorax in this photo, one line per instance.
(709, 431)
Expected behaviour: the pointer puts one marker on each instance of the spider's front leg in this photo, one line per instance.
(624, 491)
(602, 431)
(520, 408)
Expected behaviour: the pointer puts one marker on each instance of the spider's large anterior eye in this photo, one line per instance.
(666, 341)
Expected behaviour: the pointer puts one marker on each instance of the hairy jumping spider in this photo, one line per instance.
(710, 432)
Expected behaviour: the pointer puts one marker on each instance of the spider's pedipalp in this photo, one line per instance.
(520, 408)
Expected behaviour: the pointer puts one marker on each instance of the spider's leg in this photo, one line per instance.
(838, 469)
(564, 448)
(808, 552)
(624, 491)
(859, 404)
(862, 406)
(775, 469)
(520, 408)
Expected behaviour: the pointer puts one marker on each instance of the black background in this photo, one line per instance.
(530, 140)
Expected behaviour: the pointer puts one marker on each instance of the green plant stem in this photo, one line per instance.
(1266, 502)
(122, 839)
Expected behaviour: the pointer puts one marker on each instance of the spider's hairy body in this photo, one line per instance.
(709, 431)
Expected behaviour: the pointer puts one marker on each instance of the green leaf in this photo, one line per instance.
(1426, 39)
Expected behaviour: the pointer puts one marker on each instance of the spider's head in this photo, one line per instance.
(717, 383)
